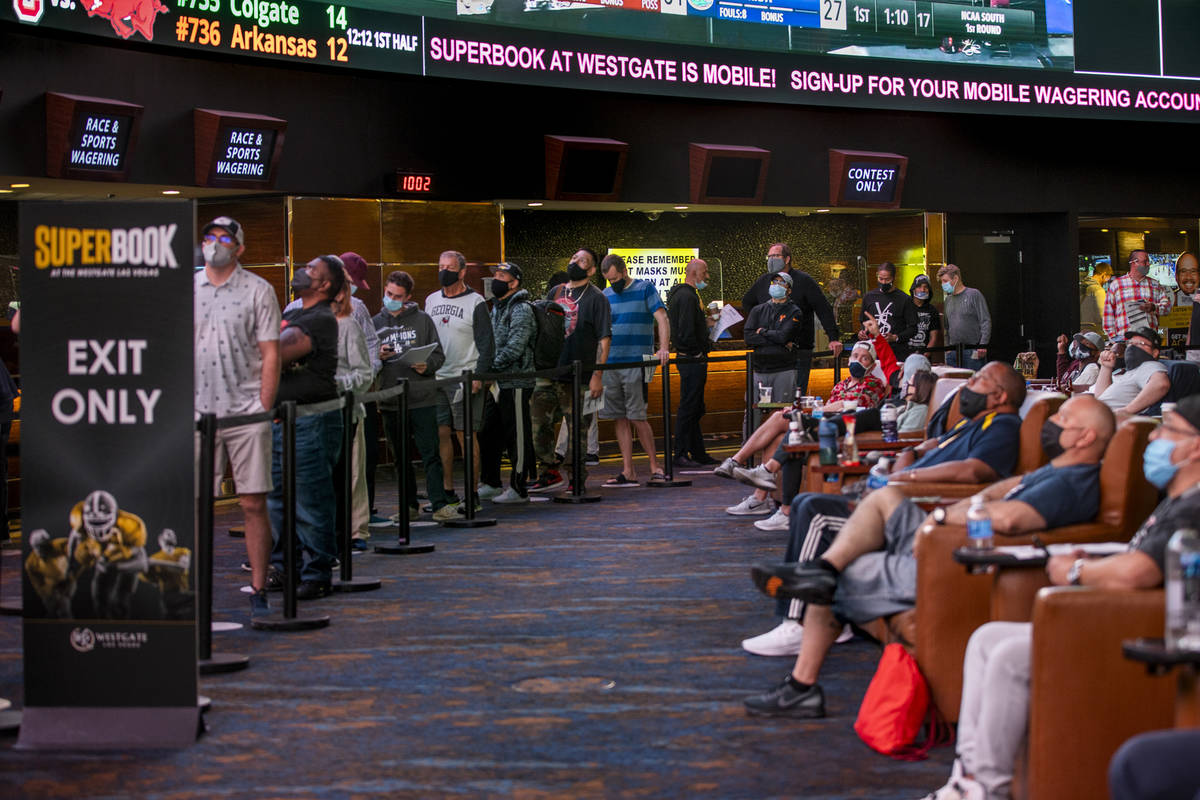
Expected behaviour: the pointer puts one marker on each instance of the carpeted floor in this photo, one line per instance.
(569, 651)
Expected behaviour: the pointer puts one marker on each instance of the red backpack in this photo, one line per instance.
(895, 708)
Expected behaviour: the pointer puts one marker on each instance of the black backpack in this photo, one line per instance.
(550, 319)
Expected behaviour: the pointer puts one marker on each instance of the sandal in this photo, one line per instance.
(620, 480)
(658, 477)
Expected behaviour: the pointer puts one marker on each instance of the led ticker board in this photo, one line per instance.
(89, 138)
(981, 56)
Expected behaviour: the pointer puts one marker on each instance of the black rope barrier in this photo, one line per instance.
(578, 493)
(346, 582)
(404, 545)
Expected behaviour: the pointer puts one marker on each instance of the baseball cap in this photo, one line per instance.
(228, 223)
(510, 268)
(782, 276)
(1092, 338)
(1189, 409)
(1146, 333)
(356, 269)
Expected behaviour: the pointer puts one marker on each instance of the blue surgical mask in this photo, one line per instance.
(777, 291)
(921, 294)
(392, 305)
(1156, 462)
(701, 285)
(947, 287)
(353, 289)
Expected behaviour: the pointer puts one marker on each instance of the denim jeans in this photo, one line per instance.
(422, 424)
(318, 441)
(968, 361)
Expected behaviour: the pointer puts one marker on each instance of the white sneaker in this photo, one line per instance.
(485, 492)
(509, 495)
(846, 635)
(725, 468)
(759, 477)
(752, 507)
(776, 522)
(782, 640)
(958, 787)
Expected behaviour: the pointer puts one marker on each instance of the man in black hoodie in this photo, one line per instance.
(892, 309)
(809, 300)
(689, 334)
(770, 332)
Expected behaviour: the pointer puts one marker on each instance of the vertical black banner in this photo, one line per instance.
(106, 467)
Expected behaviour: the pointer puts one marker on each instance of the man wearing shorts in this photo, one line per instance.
(236, 328)
(636, 310)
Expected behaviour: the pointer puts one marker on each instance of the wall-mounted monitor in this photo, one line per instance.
(89, 138)
(866, 179)
(579, 168)
(237, 150)
(727, 174)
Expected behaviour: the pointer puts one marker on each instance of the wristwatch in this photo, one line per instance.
(1073, 572)
(939, 515)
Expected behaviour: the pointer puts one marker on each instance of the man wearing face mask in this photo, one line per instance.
(892, 309)
(929, 319)
(308, 352)
(1137, 293)
(968, 320)
(808, 299)
(515, 329)
(869, 570)
(236, 326)
(996, 668)
(689, 334)
(1076, 366)
(465, 330)
(770, 331)
(1142, 383)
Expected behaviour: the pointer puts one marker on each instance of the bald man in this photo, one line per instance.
(690, 339)
(1184, 326)
(870, 571)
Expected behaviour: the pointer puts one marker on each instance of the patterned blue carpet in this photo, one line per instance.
(569, 651)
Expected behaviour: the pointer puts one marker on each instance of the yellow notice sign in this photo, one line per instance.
(661, 266)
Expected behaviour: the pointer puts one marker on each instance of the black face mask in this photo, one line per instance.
(499, 288)
(971, 403)
(618, 286)
(1135, 357)
(447, 278)
(576, 272)
(885, 287)
(1050, 439)
(857, 370)
(301, 280)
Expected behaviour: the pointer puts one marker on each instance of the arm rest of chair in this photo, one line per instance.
(1016, 588)
(1085, 697)
(938, 488)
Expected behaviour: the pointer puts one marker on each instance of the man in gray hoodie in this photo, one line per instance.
(514, 329)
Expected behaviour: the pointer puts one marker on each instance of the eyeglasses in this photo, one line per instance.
(224, 238)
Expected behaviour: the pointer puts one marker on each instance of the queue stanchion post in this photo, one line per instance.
(469, 519)
(578, 493)
(837, 367)
(668, 459)
(346, 582)
(289, 620)
(403, 545)
(209, 664)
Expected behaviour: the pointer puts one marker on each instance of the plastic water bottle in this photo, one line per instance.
(827, 438)
(1183, 591)
(795, 435)
(877, 478)
(887, 421)
(849, 443)
(979, 524)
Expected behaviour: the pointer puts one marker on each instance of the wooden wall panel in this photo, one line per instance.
(935, 242)
(323, 225)
(418, 232)
(890, 238)
(263, 219)
(276, 275)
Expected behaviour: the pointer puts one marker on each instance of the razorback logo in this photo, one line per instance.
(139, 13)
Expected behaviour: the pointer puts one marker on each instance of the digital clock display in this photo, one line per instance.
(414, 182)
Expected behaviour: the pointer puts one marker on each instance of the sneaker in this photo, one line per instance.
(958, 788)
(274, 580)
(425, 509)
(485, 492)
(551, 480)
(683, 462)
(509, 495)
(246, 567)
(377, 521)
(725, 468)
(846, 635)
(752, 507)
(805, 581)
(782, 640)
(592, 460)
(759, 477)
(260, 606)
(313, 590)
(785, 701)
(461, 507)
(778, 521)
(446, 513)
(707, 461)
(359, 545)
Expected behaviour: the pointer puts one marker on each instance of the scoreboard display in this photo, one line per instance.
(1118, 59)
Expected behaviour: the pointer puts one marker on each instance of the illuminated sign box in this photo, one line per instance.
(578, 168)
(89, 138)
(867, 180)
(418, 183)
(235, 150)
(728, 174)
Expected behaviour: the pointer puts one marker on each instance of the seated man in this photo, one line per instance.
(992, 719)
(861, 387)
(869, 571)
(1142, 383)
(982, 447)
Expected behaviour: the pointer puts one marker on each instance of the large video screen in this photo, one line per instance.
(1083, 58)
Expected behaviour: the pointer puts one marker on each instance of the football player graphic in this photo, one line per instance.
(50, 573)
(115, 542)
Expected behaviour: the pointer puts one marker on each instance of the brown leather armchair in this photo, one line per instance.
(951, 603)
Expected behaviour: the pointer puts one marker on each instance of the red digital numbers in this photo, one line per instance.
(416, 183)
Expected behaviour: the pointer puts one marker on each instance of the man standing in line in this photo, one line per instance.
(689, 333)
(515, 329)
(809, 299)
(892, 309)
(308, 352)
(465, 330)
(1134, 293)
(402, 326)
(636, 311)
(236, 329)
(588, 326)
(966, 318)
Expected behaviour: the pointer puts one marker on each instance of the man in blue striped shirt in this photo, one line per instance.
(636, 310)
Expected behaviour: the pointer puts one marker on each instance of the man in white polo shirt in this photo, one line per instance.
(236, 329)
